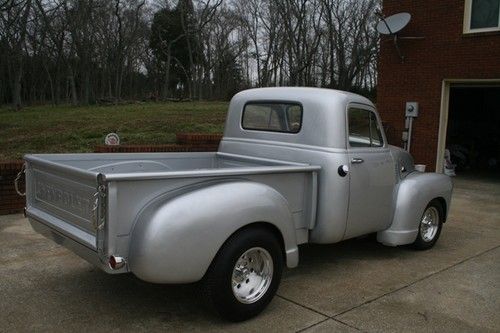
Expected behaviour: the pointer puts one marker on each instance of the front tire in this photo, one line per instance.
(430, 226)
(245, 274)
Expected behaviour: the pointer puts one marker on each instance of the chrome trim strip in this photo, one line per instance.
(210, 173)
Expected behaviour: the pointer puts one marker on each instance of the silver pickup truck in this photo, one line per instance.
(295, 166)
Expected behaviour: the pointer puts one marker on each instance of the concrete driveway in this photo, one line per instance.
(358, 285)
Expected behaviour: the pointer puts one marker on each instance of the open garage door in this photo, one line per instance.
(473, 129)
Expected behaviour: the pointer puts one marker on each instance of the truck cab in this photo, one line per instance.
(342, 133)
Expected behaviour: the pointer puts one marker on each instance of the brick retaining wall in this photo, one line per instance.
(10, 201)
(154, 148)
(198, 138)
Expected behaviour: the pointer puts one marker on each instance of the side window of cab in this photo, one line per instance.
(364, 129)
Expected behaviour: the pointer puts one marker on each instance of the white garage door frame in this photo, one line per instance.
(445, 105)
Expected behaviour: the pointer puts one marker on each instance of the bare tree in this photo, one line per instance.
(13, 30)
(125, 35)
(352, 40)
(95, 51)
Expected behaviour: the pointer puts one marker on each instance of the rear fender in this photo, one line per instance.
(174, 240)
(414, 193)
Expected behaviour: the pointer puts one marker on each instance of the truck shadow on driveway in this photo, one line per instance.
(181, 303)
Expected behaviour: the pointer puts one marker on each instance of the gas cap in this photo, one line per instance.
(343, 170)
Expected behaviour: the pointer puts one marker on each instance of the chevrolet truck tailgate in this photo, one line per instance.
(65, 199)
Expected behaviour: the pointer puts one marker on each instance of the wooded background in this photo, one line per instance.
(106, 51)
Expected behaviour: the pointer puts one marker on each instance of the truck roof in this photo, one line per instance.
(323, 117)
(302, 93)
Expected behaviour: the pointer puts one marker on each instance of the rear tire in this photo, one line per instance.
(430, 226)
(245, 274)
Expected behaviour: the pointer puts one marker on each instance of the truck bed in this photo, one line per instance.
(94, 199)
(164, 165)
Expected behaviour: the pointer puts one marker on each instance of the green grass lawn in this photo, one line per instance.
(64, 129)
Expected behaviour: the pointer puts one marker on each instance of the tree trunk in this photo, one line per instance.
(86, 87)
(118, 83)
(167, 76)
(16, 87)
(51, 82)
(18, 53)
(57, 87)
(71, 78)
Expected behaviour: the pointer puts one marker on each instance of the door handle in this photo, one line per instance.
(357, 160)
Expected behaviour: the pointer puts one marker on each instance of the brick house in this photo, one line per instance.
(453, 73)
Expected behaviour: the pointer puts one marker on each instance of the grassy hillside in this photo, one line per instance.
(62, 129)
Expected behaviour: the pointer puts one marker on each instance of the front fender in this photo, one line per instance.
(414, 194)
(175, 240)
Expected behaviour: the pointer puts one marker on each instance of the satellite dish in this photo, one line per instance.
(393, 24)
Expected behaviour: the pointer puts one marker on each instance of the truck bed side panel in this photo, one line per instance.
(129, 199)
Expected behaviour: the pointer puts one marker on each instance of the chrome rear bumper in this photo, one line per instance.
(81, 250)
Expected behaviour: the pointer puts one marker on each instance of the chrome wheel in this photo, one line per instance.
(429, 224)
(252, 275)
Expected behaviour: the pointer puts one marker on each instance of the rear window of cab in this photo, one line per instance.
(284, 117)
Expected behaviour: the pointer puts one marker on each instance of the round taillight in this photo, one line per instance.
(116, 262)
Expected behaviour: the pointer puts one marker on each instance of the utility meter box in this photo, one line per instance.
(411, 109)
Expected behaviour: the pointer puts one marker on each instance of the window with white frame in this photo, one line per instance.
(481, 16)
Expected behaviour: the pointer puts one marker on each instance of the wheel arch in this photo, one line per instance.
(271, 228)
(443, 204)
(176, 241)
(413, 194)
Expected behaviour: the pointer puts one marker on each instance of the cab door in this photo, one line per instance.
(371, 173)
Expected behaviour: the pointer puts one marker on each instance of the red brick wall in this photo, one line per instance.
(198, 138)
(444, 53)
(10, 201)
(155, 148)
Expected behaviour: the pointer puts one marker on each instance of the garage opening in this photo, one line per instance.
(473, 135)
